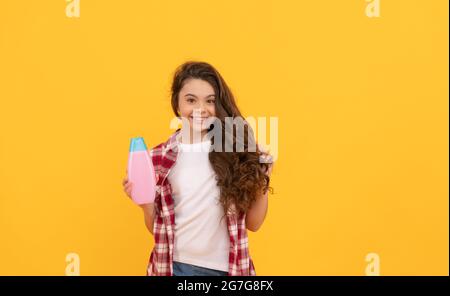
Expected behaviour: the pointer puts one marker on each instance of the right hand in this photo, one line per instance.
(127, 186)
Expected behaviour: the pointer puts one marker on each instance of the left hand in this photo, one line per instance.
(266, 156)
(269, 171)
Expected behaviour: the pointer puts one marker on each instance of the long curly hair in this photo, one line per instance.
(241, 177)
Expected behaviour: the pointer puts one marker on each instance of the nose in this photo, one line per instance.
(199, 111)
(203, 106)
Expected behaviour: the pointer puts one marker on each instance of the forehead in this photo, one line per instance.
(197, 87)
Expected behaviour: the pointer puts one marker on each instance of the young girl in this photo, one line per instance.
(197, 188)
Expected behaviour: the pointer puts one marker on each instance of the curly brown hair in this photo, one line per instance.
(241, 177)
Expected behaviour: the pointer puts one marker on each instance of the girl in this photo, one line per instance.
(197, 188)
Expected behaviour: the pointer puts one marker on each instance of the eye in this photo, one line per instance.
(211, 101)
(190, 100)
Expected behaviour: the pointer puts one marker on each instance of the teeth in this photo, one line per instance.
(199, 118)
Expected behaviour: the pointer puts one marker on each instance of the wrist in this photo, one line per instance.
(147, 207)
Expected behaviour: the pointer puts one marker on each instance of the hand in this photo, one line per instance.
(267, 158)
(127, 186)
(269, 171)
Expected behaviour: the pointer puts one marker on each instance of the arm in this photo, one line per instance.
(258, 210)
(257, 213)
(149, 215)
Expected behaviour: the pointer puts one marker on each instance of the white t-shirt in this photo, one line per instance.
(201, 235)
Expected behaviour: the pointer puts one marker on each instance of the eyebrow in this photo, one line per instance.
(212, 95)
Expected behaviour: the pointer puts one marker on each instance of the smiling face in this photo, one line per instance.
(196, 102)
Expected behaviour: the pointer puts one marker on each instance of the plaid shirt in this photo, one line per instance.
(164, 157)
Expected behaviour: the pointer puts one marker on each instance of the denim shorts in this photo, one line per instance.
(184, 269)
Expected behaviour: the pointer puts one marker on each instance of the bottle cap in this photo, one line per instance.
(137, 144)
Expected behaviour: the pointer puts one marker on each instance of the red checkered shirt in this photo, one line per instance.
(164, 157)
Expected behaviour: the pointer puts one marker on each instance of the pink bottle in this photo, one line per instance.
(141, 172)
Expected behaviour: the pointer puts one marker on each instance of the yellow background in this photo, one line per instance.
(363, 128)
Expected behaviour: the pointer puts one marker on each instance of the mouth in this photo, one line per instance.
(198, 119)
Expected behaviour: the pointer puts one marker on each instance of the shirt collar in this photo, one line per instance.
(174, 140)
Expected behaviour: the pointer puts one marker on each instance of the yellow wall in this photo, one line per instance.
(363, 128)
